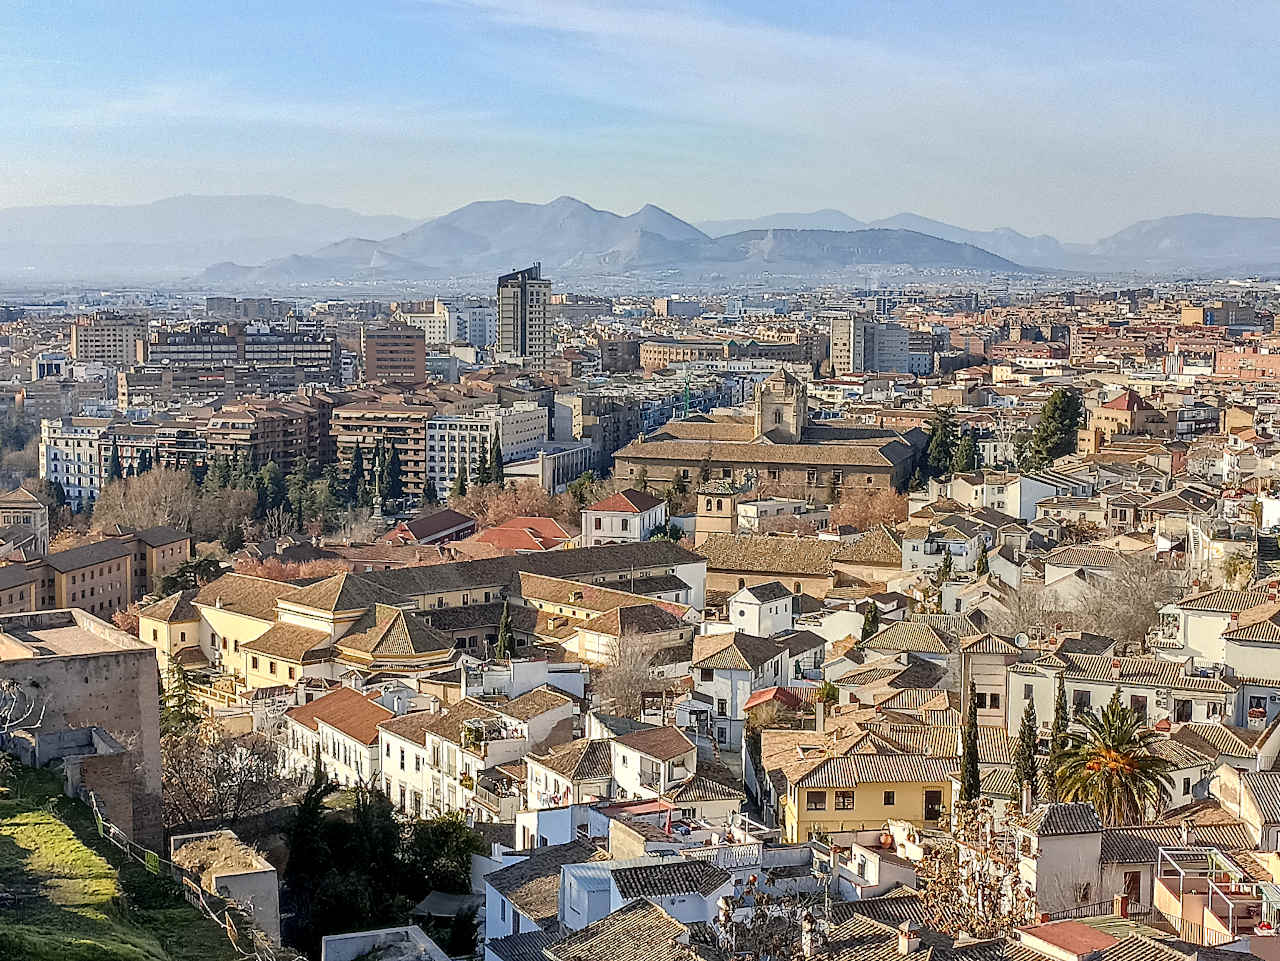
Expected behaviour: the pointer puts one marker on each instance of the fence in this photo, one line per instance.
(245, 937)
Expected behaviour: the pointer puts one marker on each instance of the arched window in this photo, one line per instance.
(777, 417)
(795, 588)
(719, 504)
(708, 503)
(742, 582)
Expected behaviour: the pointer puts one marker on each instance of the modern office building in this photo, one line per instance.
(106, 338)
(395, 354)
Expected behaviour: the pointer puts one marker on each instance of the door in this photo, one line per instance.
(932, 805)
(1133, 887)
(1181, 710)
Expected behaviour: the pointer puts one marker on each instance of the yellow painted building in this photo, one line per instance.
(857, 792)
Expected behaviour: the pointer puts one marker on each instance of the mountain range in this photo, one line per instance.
(259, 241)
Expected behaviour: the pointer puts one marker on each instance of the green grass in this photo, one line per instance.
(67, 895)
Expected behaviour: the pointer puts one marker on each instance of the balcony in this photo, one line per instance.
(651, 780)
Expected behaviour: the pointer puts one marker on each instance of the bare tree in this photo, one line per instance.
(621, 682)
(1126, 605)
(19, 710)
(863, 509)
(159, 496)
(212, 777)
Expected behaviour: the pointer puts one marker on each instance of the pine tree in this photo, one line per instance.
(218, 476)
(870, 621)
(460, 483)
(965, 458)
(942, 442)
(114, 470)
(1057, 737)
(1025, 766)
(144, 462)
(496, 472)
(1055, 435)
(970, 779)
(983, 565)
(482, 473)
(355, 477)
(179, 710)
(505, 641)
(430, 496)
(944, 570)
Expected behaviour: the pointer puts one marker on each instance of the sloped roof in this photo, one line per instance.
(663, 743)
(733, 651)
(878, 546)
(630, 501)
(533, 884)
(760, 553)
(341, 592)
(386, 631)
(908, 636)
(174, 609)
(1054, 820)
(354, 714)
(289, 642)
(586, 759)
(244, 594)
(646, 618)
(641, 931)
(668, 878)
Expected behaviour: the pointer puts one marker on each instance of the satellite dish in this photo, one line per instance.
(1021, 640)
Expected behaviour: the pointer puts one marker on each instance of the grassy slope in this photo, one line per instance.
(72, 896)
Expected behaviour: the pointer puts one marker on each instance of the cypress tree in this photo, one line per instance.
(114, 470)
(871, 621)
(1025, 766)
(496, 473)
(355, 476)
(505, 642)
(983, 564)
(1057, 736)
(460, 484)
(970, 779)
(393, 481)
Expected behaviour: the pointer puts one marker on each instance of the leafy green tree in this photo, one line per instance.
(439, 851)
(355, 476)
(242, 474)
(1055, 435)
(828, 693)
(965, 458)
(970, 779)
(298, 491)
(870, 621)
(580, 488)
(942, 442)
(1025, 766)
(430, 496)
(232, 538)
(506, 643)
(310, 855)
(1057, 738)
(114, 470)
(1111, 763)
(180, 711)
(144, 462)
(271, 482)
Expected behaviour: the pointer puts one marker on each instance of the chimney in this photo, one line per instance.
(1120, 905)
(819, 723)
(1115, 669)
(908, 938)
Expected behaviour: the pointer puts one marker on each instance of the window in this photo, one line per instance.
(253, 663)
(889, 799)
(811, 478)
(1186, 785)
(1081, 701)
(292, 674)
(626, 525)
(722, 707)
(597, 523)
(706, 673)
(815, 800)
(271, 667)
(844, 800)
(1026, 692)
(993, 701)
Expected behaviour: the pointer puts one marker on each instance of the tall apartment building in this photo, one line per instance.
(522, 315)
(69, 455)
(860, 343)
(107, 338)
(606, 423)
(446, 321)
(395, 354)
(282, 431)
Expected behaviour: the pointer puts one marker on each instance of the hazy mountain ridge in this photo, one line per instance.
(265, 240)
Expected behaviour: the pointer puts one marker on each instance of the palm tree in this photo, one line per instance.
(1112, 764)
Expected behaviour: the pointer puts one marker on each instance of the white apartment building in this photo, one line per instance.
(433, 764)
(628, 516)
(450, 320)
(462, 441)
(69, 454)
(340, 730)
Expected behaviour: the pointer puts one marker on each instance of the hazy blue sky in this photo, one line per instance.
(1070, 118)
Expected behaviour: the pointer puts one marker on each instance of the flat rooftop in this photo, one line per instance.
(61, 633)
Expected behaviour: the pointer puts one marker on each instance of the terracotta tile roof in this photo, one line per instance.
(586, 759)
(871, 454)
(733, 651)
(243, 594)
(533, 703)
(290, 642)
(525, 533)
(878, 546)
(345, 710)
(532, 884)
(630, 501)
(412, 727)
(760, 553)
(389, 632)
(174, 609)
(641, 931)
(1055, 820)
(591, 597)
(341, 592)
(662, 743)
(699, 788)
(908, 636)
(1224, 601)
(850, 770)
(670, 878)
(646, 618)
(1148, 671)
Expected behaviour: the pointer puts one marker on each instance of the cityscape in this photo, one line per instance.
(402, 558)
